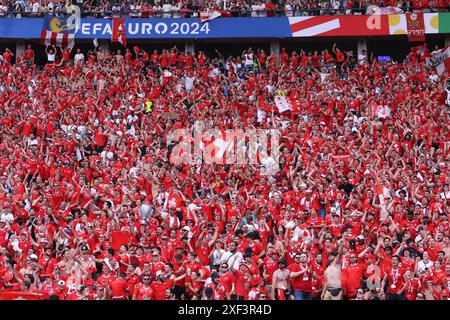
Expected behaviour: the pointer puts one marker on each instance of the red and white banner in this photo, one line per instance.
(440, 60)
(284, 104)
(415, 27)
(118, 31)
(57, 39)
(330, 26)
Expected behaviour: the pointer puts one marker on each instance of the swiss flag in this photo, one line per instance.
(174, 200)
(118, 32)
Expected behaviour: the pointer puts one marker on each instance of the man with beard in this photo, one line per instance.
(280, 281)
(301, 277)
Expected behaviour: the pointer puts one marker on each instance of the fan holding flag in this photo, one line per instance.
(58, 31)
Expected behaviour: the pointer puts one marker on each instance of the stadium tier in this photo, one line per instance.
(284, 157)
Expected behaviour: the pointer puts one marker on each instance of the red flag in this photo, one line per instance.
(415, 26)
(119, 238)
(118, 32)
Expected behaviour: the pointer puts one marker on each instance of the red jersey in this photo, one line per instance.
(143, 292)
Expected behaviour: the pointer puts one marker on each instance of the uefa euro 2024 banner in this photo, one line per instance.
(275, 27)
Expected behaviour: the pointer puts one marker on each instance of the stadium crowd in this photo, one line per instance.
(93, 208)
(188, 8)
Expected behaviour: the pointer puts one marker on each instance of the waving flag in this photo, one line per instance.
(440, 60)
(207, 16)
(210, 15)
(283, 103)
(286, 104)
(415, 27)
(57, 31)
(118, 32)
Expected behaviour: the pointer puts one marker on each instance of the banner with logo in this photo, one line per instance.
(58, 31)
(415, 27)
(64, 30)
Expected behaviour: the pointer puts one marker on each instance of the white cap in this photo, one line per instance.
(158, 273)
(33, 256)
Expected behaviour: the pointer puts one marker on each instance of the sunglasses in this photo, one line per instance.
(155, 256)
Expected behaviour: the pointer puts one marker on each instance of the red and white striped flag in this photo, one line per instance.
(209, 15)
(57, 31)
(58, 39)
(313, 26)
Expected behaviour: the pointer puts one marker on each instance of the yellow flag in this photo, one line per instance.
(149, 105)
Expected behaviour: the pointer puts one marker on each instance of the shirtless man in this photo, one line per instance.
(280, 282)
(332, 286)
(85, 262)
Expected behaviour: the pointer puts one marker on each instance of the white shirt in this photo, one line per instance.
(422, 265)
(189, 82)
(79, 57)
(167, 8)
(248, 58)
(7, 217)
(233, 260)
(434, 77)
(254, 10)
(51, 57)
(36, 7)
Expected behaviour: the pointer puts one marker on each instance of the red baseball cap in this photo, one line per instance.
(90, 282)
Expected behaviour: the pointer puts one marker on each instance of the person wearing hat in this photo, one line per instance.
(258, 288)
(218, 291)
(280, 288)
